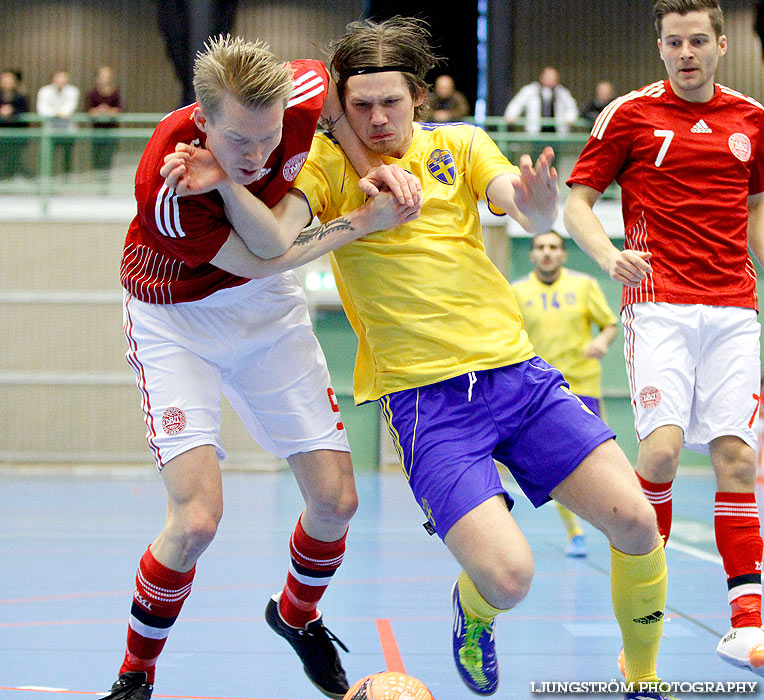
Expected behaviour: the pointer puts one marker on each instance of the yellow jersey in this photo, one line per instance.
(558, 318)
(424, 299)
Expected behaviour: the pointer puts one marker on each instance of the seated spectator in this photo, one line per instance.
(445, 103)
(57, 102)
(603, 96)
(543, 99)
(103, 103)
(12, 103)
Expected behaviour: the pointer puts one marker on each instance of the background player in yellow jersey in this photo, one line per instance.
(559, 307)
(443, 351)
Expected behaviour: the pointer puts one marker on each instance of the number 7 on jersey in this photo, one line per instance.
(666, 135)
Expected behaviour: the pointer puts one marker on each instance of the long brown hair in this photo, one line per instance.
(402, 42)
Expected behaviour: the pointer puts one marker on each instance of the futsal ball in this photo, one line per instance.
(388, 685)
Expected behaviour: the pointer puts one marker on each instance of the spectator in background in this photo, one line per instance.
(57, 102)
(13, 102)
(445, 103)
(603, 96)
(559, 307)
(103, 103)
(543, 99)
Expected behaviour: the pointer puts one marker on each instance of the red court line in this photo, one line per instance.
(393, 659)
(177, 697)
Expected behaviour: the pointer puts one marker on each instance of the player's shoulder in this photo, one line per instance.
(178, 119)
(734, 97)
(625, 106)
(521, 281)
(326, 152)
(578, 275)
(310, 81)
(450, 131)
(307, 67)
(575, 279)
(462, 139)
(325, 141)
(176, 127)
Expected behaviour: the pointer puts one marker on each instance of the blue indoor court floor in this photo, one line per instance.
(70, 542)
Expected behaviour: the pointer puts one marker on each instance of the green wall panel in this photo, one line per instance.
(361, 422)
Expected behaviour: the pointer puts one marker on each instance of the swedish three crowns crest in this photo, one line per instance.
(441, 166)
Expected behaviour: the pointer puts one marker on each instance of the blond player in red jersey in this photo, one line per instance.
(197, 328)
(689, 157)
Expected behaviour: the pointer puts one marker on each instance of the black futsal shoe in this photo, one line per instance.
(314, 645)
(131, 686)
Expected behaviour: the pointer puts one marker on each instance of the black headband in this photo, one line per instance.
(378, 69)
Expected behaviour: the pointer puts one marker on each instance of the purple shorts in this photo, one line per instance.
(594, 405)
(448, 434)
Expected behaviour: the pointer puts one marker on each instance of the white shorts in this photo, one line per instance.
(255, 344)
(694, 366)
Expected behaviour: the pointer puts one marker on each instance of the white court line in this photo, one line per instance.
(694, 552)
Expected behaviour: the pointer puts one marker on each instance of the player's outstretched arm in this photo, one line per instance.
(531, 197)
(192, 171)
(628, 267)
(379, 213)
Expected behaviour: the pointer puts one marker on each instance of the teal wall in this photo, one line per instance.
(361, 422)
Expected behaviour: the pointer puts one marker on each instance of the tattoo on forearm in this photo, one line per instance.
(318, 232)
(328, 124)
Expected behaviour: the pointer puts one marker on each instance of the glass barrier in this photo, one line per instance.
(98, 156)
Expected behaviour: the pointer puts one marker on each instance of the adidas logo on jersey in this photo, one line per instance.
(701, 128)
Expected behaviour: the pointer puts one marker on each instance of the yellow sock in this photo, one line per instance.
(638, 590)
(473, 603)
(570, 521)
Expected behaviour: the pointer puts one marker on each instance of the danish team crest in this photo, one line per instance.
(293, 165)
(173, 420)
(442, 167)
(740, 145)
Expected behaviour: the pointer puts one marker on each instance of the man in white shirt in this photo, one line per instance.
(57, 102)
(544, 98)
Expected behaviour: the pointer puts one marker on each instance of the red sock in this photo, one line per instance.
(157, 600)
(736, 521)
(659, 496)
(310, 571)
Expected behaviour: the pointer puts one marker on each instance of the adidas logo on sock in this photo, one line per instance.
(657, 616)
(701, 128)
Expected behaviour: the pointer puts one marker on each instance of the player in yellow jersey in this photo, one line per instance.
(559, 307)
(443, 350)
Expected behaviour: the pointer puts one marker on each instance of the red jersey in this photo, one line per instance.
(170, 242)
(685, 171)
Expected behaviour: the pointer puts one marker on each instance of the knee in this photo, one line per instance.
(743, 474)
(663, 461)
(735, 466)
(336, 501)
(196, 527)
(634, 529)
(337, 506)
(509, 583)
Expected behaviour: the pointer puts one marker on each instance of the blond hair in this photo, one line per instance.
(246, 70)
